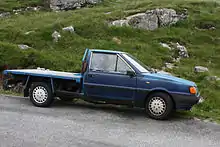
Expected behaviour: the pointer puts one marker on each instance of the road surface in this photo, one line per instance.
(87, 125)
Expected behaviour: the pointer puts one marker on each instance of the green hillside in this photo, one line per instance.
(92, 31)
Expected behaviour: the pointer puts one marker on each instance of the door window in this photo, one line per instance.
(103, 62)
(122, 67)
(108, 63)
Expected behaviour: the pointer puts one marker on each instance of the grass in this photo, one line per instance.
(9, 92)
(92, 31)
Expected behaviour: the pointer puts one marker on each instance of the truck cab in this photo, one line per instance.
(108, 77)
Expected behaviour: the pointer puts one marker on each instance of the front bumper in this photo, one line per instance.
(185, 102)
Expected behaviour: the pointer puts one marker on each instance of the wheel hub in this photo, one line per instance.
(157, 106)
(40, 94)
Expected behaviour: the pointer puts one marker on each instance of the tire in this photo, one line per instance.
(159, 106)
(41, 94)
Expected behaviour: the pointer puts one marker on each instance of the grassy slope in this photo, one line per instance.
(92, 32)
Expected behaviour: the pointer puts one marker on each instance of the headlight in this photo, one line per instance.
(192, 90)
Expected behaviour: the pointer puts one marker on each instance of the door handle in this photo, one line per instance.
(90, 75)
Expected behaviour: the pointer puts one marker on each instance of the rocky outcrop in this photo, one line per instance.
(178, 52)
(151, 19)
(71, 4)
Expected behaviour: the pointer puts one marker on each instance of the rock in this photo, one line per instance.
(69, 29)
(197, 119)
(71, 4)
(169, 16)
(119, 23)
(212, 28)
(176, 59)
(151, 19)
(17, 11)
(183, 53)
(205, 26)
(212, 78)
(21, 10)
(201, 69)
(108, 13)
(29, 32)
(169, 65)
(56, 35)
(93, 1)
(33, 8)
(23, 46)
(165, 45)
(5, 14)
(116, 40)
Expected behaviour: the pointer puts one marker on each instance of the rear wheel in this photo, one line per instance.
(41, 94)
(159, 106)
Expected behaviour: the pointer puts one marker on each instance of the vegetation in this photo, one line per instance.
(8, 5)
(92, 31)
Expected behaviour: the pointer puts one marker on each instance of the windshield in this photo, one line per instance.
(138, 64)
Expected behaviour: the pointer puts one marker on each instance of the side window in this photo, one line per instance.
(122, 67)
(103, 62)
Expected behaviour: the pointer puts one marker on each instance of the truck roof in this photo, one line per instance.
(106, 51)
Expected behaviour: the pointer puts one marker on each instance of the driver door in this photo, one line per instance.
(107, 77)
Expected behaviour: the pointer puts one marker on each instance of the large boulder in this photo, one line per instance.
(168, 16)
(147, 21)
(71, 4)
(151, 19)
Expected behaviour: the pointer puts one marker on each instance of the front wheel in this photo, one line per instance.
(41, 94)
(159, 106)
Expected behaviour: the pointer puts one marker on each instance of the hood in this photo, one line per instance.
(168, 78)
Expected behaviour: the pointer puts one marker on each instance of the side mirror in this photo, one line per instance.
(130, 73)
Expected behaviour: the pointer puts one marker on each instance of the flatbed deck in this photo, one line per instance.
(46, 73)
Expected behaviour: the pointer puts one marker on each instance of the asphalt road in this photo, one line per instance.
(87, 125)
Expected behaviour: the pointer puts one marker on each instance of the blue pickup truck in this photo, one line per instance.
(108, 77)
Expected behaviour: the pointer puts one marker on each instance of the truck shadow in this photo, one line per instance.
(118, 110)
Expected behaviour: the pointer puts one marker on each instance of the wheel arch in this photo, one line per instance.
(33, 79)
(160, 90)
